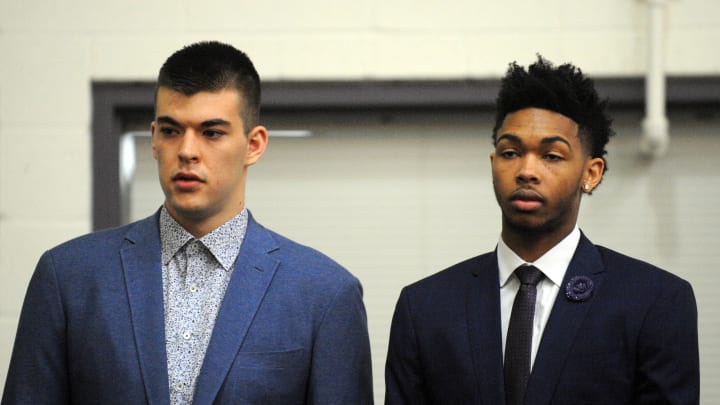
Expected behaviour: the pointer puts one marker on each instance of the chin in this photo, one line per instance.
(529, 225)
(188, 210)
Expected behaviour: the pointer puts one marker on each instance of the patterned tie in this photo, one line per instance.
(519, 336)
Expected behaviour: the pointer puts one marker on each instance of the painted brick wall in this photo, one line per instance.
(51, 51)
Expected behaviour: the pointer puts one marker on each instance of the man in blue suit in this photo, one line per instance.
(547, 317)
(197, 304)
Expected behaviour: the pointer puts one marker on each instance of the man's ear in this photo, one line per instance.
(257, 140)
(594, 169)
(152, 140)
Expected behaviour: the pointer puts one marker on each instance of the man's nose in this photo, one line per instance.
(528, 170)
(189, 150)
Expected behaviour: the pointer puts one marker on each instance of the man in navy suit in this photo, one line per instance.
(198, 303)
(599, 327)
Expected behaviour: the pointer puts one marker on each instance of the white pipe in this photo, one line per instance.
(655, 139)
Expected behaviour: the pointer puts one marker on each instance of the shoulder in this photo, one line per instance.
(85, 264)
(639, 285)
(304, 265)
(449, 282)
(101, 244)
(637, 272)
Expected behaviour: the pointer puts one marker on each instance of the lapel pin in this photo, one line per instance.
(579, 288)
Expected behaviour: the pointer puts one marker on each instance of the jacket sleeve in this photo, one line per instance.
(668, 359)
(403, 372)
(341, 371)
(38, 368)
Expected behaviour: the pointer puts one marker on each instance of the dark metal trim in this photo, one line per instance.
(112, 101)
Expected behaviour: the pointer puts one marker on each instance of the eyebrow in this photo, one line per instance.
(547, 140)
(167, 120)
(215, 122)
(205, 124)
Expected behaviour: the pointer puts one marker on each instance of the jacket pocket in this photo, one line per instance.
(271, 360)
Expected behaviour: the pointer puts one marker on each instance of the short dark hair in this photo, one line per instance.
(564, 90)
(214, 66)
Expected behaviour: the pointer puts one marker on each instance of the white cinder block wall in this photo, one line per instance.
(50, 52)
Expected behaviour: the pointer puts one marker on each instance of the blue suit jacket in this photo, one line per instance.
(292, 328)
(634, 341)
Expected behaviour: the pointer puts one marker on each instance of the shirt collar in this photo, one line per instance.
(553, 263)
(223, 242)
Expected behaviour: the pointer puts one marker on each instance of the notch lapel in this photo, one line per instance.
(562, 326)
(142, 267)
(483, 314)
(253, 272)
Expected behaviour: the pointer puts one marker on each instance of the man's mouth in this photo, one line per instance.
(526, 200)
(186, 181)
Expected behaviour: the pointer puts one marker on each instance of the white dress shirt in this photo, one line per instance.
(196, 273)
(553, 264)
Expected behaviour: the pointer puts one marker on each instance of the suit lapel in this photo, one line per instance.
(562, 326)
(483, 309)
(252, 275)
(141, 262)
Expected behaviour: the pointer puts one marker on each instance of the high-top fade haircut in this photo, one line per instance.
(562, 89)
(214, 66)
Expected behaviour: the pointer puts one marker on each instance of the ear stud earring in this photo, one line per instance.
(587, 187)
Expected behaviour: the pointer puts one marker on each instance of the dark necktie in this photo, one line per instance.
(519, 336)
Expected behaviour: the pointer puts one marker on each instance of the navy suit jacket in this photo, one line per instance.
(634, 341)
(292, 327)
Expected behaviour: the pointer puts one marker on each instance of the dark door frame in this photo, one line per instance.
(114, 102)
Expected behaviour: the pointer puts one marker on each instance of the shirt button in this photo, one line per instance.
(180, 386)
(187, 335)
(193, 288)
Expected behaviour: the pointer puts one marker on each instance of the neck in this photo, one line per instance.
(198, 230)
(531, 245)
(201, 226)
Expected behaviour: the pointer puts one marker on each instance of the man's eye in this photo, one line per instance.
(168, 131)
(212, 134)
(508, 154)
(553, 157)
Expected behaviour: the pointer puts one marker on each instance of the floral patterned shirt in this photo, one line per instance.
(195, 276)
